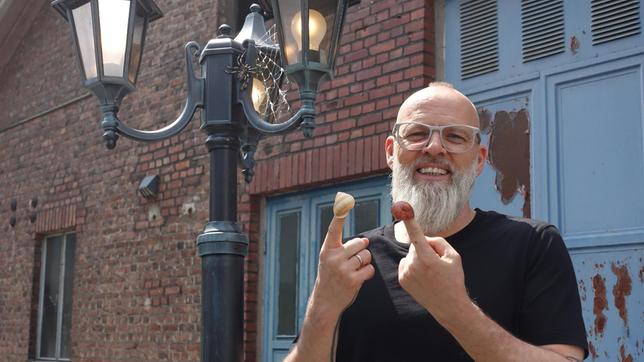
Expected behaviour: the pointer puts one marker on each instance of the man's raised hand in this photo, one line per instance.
(431, 272)
(343, 267)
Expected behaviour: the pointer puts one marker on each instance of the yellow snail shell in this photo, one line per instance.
(343, 204)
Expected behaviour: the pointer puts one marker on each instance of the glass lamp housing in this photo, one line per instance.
(109, 37)
(309, 32)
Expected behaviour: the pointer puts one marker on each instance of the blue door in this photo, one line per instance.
(560, 90)
(296, 225)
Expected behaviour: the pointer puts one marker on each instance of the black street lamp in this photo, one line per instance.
(109, 36)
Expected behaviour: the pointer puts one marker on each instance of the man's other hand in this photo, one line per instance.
(432, 273)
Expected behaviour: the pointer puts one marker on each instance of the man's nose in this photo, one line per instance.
(435, 144)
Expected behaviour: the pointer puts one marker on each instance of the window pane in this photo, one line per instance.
(289, 227)
(326, 215)
(50, 297)
(70, 246)
(366, 215)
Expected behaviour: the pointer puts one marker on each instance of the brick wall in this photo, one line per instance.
(137, 277)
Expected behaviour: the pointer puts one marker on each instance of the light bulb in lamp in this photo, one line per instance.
(258, 94)
(317, 29)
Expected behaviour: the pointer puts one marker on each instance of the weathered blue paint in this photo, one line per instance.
(586, 113)
(611, 288)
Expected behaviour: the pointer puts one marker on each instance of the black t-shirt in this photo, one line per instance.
(517, 271)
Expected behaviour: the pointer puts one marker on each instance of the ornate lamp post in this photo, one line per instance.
(109, 36)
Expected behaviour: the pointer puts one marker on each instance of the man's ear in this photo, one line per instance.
(482, 157)
(389, 151)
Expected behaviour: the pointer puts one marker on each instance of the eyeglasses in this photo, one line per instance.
(414, 136)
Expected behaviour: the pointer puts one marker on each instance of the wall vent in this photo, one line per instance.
(542, 28)
(479, 38)
(614, 19)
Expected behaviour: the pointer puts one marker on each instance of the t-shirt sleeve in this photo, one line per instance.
(551, 308)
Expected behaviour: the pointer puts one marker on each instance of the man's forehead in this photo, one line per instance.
(438, 105)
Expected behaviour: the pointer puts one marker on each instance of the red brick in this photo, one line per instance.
(336, 166)
(342, 125)
(395, 65)
(172, 290)
(315, 165)
(308, 161)
(376, 152)
(370, 118)
(355, 99)
(329, 164)
(382, 92)
(322, 171)
(368, 107)
(356, 55)
(382, 47)
(368, 73)
(344, 158)
(290, 167)
(366, 163)
(355, 111)
(301, 161)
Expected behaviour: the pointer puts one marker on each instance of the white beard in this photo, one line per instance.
(436, 204)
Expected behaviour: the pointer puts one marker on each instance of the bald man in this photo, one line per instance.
(453, 283)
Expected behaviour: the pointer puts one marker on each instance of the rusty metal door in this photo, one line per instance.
(560, 90)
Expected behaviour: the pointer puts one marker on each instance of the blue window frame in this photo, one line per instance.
(295, 228)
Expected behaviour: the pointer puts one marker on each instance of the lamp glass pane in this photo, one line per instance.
(321, 12)
(113, 18)
(137, 48)
(293, 44)
(85, 39)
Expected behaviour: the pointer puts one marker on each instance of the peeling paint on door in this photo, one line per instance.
(508, 134)
(621, 290)
(614, 323)
(592, 351)
(599, 304)
(510, 155)
(624, 358)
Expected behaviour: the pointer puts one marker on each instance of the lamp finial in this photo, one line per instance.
(224, 31)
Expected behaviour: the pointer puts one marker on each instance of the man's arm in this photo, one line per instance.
(433, 265)
(340, 276)
(316, 339)
(484, 340)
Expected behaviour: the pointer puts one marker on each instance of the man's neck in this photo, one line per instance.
(462, 220)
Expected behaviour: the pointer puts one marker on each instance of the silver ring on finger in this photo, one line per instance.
(359, 260)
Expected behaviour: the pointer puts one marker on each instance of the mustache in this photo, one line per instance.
(440, 161)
